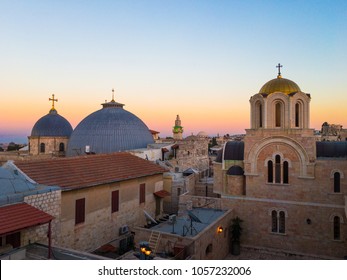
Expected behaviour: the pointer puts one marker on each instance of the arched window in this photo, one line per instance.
(285, 172)
(270, 172)
(337, 228)
(42, 147)
(337, 182)
(259, 115)
(278, 169)
(61, 147)
(297, 115)
(282, 222)
(278, 221)
(274, 221)
(278, 114)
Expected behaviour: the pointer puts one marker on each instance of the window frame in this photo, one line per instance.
(114, 201)
(80, 211)
(142, 193)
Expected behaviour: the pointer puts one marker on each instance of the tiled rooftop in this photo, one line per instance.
(90, 170)
(19, 216)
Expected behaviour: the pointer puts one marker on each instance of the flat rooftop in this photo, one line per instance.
(190, 223)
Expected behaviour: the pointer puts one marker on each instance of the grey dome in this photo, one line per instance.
(110, 129)
(52, 124)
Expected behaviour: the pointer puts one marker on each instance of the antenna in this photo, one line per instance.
(149, 218)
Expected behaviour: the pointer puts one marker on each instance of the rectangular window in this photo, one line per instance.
(142, 193)
(115, 201)
(80, 211)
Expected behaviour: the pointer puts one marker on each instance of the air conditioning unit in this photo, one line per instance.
(172, 219)
(123, 230)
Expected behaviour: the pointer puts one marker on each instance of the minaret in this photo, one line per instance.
(177, 129)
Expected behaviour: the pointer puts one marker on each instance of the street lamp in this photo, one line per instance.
(145, 251)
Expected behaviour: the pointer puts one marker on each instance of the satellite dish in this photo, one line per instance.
(193, 217)
(148, 217)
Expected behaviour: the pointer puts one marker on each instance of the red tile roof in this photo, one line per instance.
(19, 216)
(86, 171)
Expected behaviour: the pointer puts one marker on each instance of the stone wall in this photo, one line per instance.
(101, 226)
(50, 203)
(51, 145)
(308, 227)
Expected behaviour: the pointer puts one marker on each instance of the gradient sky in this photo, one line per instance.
(200, 59)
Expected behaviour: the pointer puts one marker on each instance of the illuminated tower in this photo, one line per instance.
(177, 129)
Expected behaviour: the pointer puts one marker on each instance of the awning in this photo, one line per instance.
(16, 217)
(162, 193)
(164, 150)
(176, 146)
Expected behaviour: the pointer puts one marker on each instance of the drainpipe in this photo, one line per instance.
(49, 241)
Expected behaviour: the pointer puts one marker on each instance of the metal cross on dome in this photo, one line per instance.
(279, 66)
(52, 99)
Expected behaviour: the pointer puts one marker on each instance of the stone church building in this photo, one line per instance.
(290, 191)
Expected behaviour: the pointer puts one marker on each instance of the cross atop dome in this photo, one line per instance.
(112, 96)
(279, 66)
(53, 100)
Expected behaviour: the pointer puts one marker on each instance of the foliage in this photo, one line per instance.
(236, 229)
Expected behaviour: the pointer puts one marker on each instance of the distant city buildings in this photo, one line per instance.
(112, 183)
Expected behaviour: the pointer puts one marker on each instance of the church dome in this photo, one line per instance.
(203, 134)
(279, 85)
(52, 124)
(110, 129)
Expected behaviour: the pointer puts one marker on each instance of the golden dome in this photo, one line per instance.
(279, 84)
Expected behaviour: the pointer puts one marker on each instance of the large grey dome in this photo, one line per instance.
(110, 129)
(52, 124)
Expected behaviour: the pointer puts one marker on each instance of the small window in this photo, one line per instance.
(80, 211)
(270, 171)
(274, 221)
(61, 147)
(115, 201)
(42, 148)
(278, 221)
(208, 249)
(278, 112)
(278, 169)
(260, 115)
(337, 228)
(337, 179)
(282, 222)
(285, 172)
(297, 115)
(142, 193)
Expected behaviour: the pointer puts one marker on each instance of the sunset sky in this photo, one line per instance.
(200, 59)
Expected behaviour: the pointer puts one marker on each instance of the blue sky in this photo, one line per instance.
(200, 59)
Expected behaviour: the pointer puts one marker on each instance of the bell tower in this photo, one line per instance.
(177, 129)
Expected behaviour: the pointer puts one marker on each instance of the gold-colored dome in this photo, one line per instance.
(279, 85)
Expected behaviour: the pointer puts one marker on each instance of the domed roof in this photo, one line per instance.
(279, 85)
(235, 170)
(52, 124)
(110, 129)
(233, 150)
(202, 134)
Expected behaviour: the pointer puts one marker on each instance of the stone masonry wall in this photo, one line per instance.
(50, 203)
